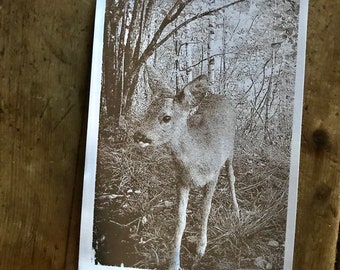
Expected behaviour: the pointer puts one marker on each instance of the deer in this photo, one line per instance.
(199, 129)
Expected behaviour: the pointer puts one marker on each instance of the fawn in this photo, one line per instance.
(199, 128)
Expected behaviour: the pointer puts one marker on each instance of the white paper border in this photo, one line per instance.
(86, 253)
(296, 136)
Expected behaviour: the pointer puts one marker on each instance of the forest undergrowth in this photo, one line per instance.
(136, 204)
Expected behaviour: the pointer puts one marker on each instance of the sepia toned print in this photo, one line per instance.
(193, 134)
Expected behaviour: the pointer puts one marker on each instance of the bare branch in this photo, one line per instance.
(204, 59)
(134, 18)
(148, 11)
(139, 39)
(155, 45)
(172, 15)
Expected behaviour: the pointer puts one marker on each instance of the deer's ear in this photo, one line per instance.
(193, 93)
(157, 85)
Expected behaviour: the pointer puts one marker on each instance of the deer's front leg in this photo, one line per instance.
(182, 209)
(230, 171)
(202, 242)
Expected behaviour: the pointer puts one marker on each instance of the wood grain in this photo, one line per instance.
(45, 51)
(319, 189)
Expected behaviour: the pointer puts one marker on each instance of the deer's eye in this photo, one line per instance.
(166, 119)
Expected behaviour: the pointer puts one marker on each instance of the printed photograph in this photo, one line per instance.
(195, 134)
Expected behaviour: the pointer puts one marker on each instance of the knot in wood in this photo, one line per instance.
(321, 138)
(323, 192)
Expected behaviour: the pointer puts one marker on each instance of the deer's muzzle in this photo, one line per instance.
(141, 139)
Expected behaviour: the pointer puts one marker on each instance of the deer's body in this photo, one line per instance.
(199, 128)
(201, 154)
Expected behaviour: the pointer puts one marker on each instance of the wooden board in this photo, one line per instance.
(45, 51)
(319, 189)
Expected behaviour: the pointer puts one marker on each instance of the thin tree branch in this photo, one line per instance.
(172, 15)
(204, 59)
(155, 45)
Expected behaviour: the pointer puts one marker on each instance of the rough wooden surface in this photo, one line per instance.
(45, 50)
(319, 189)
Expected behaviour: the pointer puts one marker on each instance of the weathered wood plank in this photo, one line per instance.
(44, 67)
(319, 189)
(45, 53)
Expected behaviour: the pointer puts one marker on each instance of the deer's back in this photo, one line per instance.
(214, 122)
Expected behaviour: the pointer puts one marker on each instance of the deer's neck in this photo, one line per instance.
(183, 143)
(193, 161)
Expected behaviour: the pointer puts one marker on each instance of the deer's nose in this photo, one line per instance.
(139, 137)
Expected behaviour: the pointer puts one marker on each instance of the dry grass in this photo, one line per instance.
(136, 206)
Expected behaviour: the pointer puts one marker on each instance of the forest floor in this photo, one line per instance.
(136, 205)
